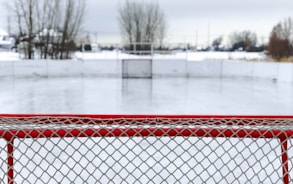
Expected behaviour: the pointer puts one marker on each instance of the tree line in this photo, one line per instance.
(51, 28)
(279, 46)
(47, 26)
(281, 40)
(239, 41)
(142, 22)
(145, 22)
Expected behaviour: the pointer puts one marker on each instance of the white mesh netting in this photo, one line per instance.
(128, 149)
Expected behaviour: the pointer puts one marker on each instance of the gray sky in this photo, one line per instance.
(185, 18)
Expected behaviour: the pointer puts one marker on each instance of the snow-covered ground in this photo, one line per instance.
(190, 56)
(9, 56)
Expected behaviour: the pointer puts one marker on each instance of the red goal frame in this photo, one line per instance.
(234, 132)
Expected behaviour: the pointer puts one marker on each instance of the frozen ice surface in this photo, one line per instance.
(146, 96)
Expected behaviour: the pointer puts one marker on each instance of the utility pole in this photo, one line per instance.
(208, 40)
(9, 25)
(196, 38)
(96, 38)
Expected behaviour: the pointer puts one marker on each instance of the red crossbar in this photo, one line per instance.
(282, 135)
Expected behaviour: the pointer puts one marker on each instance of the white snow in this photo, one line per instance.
(8, 56)
(189, 55)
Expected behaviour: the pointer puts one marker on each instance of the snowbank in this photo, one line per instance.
(190, 56)
(9, 56)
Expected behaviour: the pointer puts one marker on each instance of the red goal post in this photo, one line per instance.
(149, 148)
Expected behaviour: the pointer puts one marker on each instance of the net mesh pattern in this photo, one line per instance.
(57, 149)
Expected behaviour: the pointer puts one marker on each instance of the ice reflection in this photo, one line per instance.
(145, 96)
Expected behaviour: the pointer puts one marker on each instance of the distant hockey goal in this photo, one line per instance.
(140, 63)
(137, 68)
(145, 149)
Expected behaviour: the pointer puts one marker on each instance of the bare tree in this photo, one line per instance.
(70, 25)
(243, 40)
(281, 39)
(217, 43)
(279, 44)
(48, 13)
(142, 22)
(24, 10)
(286, 29)
(56, 23)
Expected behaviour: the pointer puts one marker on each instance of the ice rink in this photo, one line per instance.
(146, 96)
(194, 96)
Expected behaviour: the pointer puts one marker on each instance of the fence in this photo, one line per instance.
(146, 149)
(160, 68)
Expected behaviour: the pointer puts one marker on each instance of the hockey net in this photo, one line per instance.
(145, 149)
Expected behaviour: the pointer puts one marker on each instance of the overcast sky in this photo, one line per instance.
(188, 18)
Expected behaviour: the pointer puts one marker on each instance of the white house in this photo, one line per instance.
(6, 42)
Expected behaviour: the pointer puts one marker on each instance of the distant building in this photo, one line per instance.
(6, 42)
